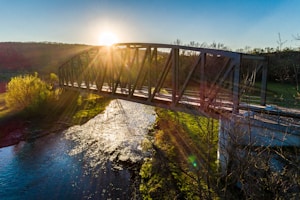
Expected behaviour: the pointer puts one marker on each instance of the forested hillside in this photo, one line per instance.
(284, 66)
(39, 57)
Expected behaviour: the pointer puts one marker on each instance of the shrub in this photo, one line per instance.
(27, 93)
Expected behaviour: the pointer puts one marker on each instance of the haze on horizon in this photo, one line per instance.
(235, 23)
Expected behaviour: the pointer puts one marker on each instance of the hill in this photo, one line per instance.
(41, 57)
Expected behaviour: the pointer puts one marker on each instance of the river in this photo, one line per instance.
(83, 162)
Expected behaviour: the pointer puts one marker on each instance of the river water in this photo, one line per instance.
(83, 162)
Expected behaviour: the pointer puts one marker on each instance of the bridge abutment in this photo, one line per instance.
(252, 147)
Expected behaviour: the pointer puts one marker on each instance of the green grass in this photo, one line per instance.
(195, 126)
(74, 108)
(186, 148)
(280, 94)
(88, 107)
(283, 94)
(282, 88)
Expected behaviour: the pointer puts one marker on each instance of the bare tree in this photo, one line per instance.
(297, 37)
(256, 171)
(296, 68)
(280, 42)
(178, 42)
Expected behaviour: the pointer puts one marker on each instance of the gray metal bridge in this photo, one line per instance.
(183, 78)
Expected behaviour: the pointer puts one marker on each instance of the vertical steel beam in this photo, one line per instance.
(175, 74)
(79, 74)
(72, 74)
(152, 76)
(236, 83)
(60, 76)
(110, 70)
(155, 78)
(202, 78)
(263, 94)
(149, 71)
(86, 71)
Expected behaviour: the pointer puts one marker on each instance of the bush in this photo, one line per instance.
(27, 93)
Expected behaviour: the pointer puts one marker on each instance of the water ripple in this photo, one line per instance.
(115, 135)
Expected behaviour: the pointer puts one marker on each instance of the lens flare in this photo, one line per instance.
(108, 38)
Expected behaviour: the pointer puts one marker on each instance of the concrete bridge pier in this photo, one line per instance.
(251, 140)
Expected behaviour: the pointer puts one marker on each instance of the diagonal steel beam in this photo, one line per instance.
(188, 78)
(141, 69)
(120, 72)
(215, 87)
(162, 77)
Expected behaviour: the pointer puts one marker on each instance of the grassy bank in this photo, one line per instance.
(283, 94)
(280, 94)
(70, 108)
(184, 160)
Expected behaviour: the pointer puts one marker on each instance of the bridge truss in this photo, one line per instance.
(177, 77)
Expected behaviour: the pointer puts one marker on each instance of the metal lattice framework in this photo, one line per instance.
(177, 77)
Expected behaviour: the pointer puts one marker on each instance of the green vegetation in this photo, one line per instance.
(32, 95)
(185, 158)
(283, 94)
(28, 93)
(184, 165)
(34, 102)
(28, 57)
(88, 106)
(280, 94)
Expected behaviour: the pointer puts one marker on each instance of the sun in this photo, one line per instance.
(107, 38)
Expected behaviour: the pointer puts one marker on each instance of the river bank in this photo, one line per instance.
(71, 108)
(17, 130)
(118, 139)
(99, 159)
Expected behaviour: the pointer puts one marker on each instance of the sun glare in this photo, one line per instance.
(107, 38)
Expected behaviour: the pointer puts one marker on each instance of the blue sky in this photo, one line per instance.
(235, 23)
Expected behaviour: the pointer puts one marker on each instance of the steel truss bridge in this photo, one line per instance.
(182, 78)
(208, 82)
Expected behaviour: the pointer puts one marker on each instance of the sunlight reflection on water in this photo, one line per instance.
(115, 135)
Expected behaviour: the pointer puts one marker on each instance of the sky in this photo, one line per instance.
(235, 23)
